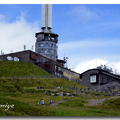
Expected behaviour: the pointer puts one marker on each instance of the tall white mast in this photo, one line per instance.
(46, 17)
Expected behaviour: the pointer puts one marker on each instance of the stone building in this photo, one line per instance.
(97, 77)
(71, 74)
(51, 66)
(46, 40)
(43, 62)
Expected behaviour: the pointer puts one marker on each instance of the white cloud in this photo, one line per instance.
(85, 54)
(89, 43)
(84, 13)
(14, 35)
(1, 17)
(115, 66)
(91, 64)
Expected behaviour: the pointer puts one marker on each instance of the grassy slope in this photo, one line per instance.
(12, 68)
(24, 95)
(25, 98)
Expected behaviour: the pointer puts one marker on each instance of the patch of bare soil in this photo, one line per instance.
(61, 101)
(93, 102)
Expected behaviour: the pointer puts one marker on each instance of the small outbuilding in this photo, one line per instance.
(97, 77)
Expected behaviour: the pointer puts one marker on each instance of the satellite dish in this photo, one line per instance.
(10, 58)
(16, 59)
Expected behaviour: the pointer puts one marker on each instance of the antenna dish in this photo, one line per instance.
(10, 58)
(16, 59)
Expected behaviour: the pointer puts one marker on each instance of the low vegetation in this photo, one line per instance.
(17, 68)
(24, 95)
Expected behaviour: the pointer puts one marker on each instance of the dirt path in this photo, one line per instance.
(61, 101)
(93, 102)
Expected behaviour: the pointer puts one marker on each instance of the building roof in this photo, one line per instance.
(60, 61)
(54, 34)
(102, 72)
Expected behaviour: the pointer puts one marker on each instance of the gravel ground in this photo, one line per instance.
(93, 102)
(61, 101)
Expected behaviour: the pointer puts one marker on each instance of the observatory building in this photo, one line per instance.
(46, 41)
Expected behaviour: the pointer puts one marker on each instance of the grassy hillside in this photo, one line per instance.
(15, 68)
(10, 85)
(24, 95)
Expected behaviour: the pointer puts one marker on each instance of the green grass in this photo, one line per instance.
(17, 68)
(112, 103)
(26, 105)
(25, 96)
(47, 83)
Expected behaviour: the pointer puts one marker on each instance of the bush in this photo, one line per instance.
(18, 88)
(113, 103)
(8, 88)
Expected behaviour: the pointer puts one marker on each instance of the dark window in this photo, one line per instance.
(93, 78)
(102, 79)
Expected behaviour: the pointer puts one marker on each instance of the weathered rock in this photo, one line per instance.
(61, 94)
(68, 94)
(118, 94)
(58, 87)
(46, 92)
(57, 94)
(52, 94)
(79, 93)
(108, 87)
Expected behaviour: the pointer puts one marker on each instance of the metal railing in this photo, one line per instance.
(28, 77)
(38, 77)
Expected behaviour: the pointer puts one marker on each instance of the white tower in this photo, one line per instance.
(46, 20)
(46, 41)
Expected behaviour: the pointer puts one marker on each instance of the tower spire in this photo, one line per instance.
(46, 41)
(46, 17)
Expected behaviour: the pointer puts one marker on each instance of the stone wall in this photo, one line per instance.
(85, 78)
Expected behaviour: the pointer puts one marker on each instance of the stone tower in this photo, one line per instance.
(46, 40)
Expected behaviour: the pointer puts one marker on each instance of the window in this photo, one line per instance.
(93, 78)
(41, 44)
(46, 50)
(52, 38)
(40, 37)
(52, 45)
(48, 56)
(41, 51)
(59, 68)
(56, 39)
(47, 45)
(52, 57)
(52, 51)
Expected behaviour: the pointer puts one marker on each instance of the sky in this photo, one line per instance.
(89, 34)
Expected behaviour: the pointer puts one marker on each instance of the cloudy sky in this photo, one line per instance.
(89, 34)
